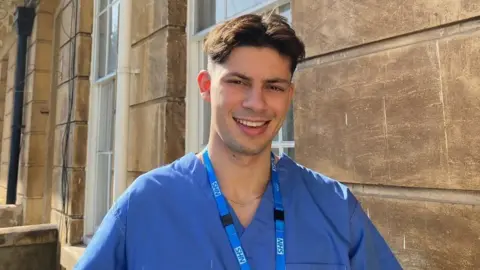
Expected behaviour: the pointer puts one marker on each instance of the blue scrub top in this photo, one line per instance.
(168, 219)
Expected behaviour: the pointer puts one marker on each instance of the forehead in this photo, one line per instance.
(257, 63)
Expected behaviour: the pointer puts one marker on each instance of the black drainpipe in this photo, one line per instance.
(23, 23)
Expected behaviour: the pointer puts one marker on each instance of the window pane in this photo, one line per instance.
(235, 6)
(102, 45)
(107, 119)
(102, 5)
(208, 13)
(287, 129)
(104, 165)
(290, 152)
(102, 186)
(113, 39)
(276, 151)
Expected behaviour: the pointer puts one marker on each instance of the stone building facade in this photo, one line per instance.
(386, 102)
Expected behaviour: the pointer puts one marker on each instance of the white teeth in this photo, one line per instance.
(250, 123)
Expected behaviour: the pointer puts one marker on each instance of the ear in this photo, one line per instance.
(204, 83)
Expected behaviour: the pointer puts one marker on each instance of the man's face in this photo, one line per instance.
(250, 96)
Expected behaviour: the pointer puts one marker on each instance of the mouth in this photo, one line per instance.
(253, 124)
(252, 128)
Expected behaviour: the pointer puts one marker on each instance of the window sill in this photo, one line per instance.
(70, 255)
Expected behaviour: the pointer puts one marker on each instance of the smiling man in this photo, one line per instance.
(235, 205)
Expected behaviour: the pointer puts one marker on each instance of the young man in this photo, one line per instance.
(235, 205)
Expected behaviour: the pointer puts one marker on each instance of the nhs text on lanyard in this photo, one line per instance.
(227, 219)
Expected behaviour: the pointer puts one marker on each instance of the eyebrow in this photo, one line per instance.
(244, 77)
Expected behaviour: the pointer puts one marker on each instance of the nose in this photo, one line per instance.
(255, 99)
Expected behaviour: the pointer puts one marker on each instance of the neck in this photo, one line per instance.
(241, 177)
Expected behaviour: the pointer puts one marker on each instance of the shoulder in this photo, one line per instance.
(324, 190)
(160, 184)
(171, 176)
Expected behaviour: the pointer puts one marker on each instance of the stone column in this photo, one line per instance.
(157, 106)
(71, 95)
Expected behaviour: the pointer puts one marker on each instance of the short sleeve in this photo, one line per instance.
(106, 251)
(368, 249)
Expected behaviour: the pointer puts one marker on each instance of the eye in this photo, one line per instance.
(233, 81)
(276, 88)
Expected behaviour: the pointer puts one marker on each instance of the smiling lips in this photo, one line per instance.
(252, 128)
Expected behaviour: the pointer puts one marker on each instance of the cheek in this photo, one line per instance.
(230, 97)
(279, 105)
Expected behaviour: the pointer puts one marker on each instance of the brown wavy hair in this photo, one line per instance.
(268, 30)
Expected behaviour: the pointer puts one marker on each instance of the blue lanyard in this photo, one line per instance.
(227, 219)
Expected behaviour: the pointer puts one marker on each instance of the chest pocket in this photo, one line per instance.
(307, 266)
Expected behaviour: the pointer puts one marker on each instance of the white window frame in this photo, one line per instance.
(195, 122)
(94, 118)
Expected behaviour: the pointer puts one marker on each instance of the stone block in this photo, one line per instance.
(460, 72)
(48, 6)
(28, 235)
(426, 234)
(33, 151)
(4, 175)
(12, 56)
(75, 198)
(4, 70)
(22, 180)
(10, 77)
(38, 86)
(76, 152)
(66, 23)
(81, 91)
(10, 215)
(70, 229)
(33, 210)
(85, 16)
(43, 27)
(40, 56)
(375, 119)
(2, 109)
(64, 70)
(3, 197)
(83, 56)
(29, 247)
(160, 141)
(6, 136)
(332, 25)
(160, 65)
(33, 177)
(151, 15)
(7, 127)
(5, 151)
(27, 257)
(35, 116)
(8, 104)
(3, 86)
(70, 255)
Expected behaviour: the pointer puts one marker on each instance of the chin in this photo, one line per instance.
(247, 148)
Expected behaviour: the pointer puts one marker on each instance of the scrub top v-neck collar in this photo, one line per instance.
(263, 214)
